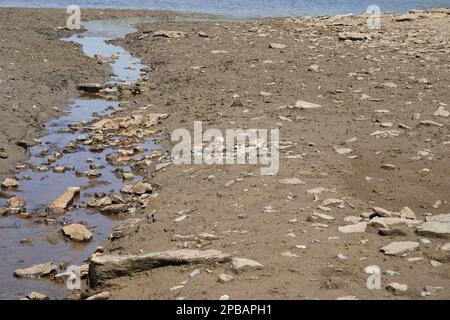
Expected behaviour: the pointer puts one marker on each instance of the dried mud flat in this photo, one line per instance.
(363, 178)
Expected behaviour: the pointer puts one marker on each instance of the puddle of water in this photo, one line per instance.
(41, 188)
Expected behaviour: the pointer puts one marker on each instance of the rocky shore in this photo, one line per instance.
(364, 153)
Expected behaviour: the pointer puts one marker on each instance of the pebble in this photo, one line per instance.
(10, 183)
(397, 288)
(241, 264)
(224, 278)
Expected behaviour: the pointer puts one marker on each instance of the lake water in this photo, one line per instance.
(243, 8)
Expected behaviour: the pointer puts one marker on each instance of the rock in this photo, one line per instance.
(125, 228)
(343, 151)
(224, 278)
(353, 219)
(354, 228)
(4, 155)
(435, 263)
(395, 248)
(36, 271)
(194, 273)
(90, 87)
(106, 124)
(112, 266)
(169, 34)
(139, 188)
(373, 269)
(347, 298)
(105, 295)
(202, 34)
(353, 36)
(241, 264)
(407, 213)
(305, 105)
(388, 85)
(382, 212)
(77, 232)
(16, 204)
(293, 181)
(36, 296)
(102, 202)
(319, 190)
(431, 123)
(406, 17)
(441, 112)
(342, 257)
(277, 46)
(115, 209)
(208, 236)
(289, 254)
(435, 226)
(446, 247)
(314, 68)
(381, 222)
(10, 183)
(161, 166)
(388, 166)
(66, 199)
(397, 288)
(429, 290)
(323, 216)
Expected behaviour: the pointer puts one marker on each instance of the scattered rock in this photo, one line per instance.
(36, 271)
(90, 87)
(441, 112)
(241, 264)
(397, 288)
(224, 278)
(77, 232)
(354, 36)
(169, 34)
(125, 228)
(304, 105)
(36, 296)
(395, 248)
(354, 228)
(66, 199)
(293, 181)
(277, 46)
(10, 183)
(431, 123)
(407, 213)
(115, 209)
(105, 295)
(435, 226)
(314, 68)
(139, 188)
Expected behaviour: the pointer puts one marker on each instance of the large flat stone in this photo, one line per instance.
(111, 266)
(395, 248)
(65, 199)
(36, 271)
(435, 226)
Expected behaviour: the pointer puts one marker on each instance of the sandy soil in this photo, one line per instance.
(363, 87)
(351, 85)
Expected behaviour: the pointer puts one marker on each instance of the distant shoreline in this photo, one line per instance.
(229, 15)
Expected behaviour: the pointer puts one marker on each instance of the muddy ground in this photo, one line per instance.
(39, 73)
(370, 144)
